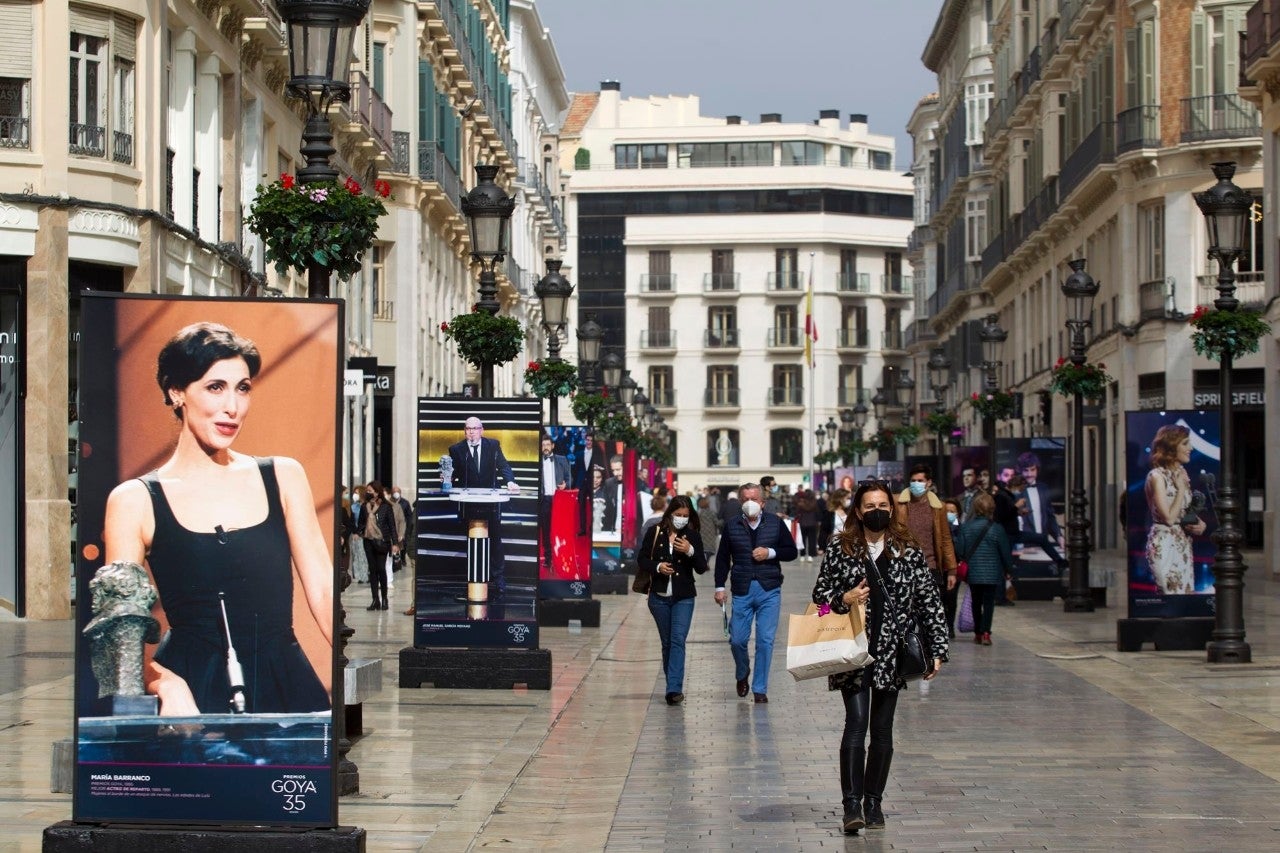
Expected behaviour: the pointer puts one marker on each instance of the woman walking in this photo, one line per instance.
(875, 561)
(805, 508)
(379, 540)
(672, 551)
(985, 546)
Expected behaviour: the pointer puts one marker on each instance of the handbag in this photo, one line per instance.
(823, 642)
(914, 656)
(964, 620)
(962, 567)
(644, 575)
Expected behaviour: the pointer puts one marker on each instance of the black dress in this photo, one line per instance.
(252, 570)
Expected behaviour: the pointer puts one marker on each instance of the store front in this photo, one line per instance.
(12, 525)
(1249, 429)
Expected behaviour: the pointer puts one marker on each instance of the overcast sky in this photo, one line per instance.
(747, 57)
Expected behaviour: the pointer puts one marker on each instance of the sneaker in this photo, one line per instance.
(924, 689)
(986, 639)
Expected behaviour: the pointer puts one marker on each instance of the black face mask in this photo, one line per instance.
(876, 520)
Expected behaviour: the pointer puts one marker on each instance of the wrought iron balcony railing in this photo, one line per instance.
(1219, 117)
(720, 338)
(88, 140)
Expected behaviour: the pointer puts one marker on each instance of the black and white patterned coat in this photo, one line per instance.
(913, 589)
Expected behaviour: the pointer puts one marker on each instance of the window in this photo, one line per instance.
(652, 156)
(722, 448)
(849, 157)
(1215, 57)
(100, 109)
(786, 447)
(786, 328)
(722, 385)
(15, 112)
(659, 276)
(722, 326)
(379, 63)
(850, 388)
(15, 76)
(1250, 264)
(706, 155)
(802, 153)
(1139, 66)
(722, 275)
(787, 388)
(785, 274)
(662, 389)
(848, 269)
(87, 96)
(122, 121)
(1151, 243)
(379, 290)
(976, 227)
(881, 160)
(978, 97)
(659, 331)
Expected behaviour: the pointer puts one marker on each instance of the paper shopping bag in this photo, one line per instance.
(825, 642)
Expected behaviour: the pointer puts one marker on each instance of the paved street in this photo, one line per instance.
(1048, 739)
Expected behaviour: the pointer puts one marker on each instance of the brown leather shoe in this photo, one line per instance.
(410, 611)
(743, 687)
(762, 698)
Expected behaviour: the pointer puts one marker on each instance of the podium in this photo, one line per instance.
(484, 502)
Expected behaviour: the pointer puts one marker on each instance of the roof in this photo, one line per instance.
(580, 110)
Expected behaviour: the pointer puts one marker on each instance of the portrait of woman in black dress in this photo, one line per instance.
(223, 536)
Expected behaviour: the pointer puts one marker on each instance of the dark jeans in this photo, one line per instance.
(673, 619)
(810, 534)
(868, 708)
(377, 571)
(949, 600)
(983, 596)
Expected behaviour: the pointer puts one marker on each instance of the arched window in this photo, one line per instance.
(722, 448)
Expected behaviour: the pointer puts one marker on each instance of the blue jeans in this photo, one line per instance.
(673, 619)
(762, 607)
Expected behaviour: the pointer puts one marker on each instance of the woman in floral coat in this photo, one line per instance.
(847, 578)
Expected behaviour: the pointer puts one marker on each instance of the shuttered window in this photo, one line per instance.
(18, 37)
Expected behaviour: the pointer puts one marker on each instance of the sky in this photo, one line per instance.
(747, 57)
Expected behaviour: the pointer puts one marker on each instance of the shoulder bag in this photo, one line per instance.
(914, 657)
(644, 575)
(962, 567)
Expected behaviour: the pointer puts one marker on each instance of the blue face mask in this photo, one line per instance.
(951, 518)
(917, 489)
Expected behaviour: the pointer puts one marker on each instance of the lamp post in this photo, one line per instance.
(1080, 289)
(554, 291)
(589, 335)
(993, 338)
(859, 425)
(611, 372)
(939, 378)
(832, 430)
(638, 404)
(320, 46)
(488, 211)
(1226, 212)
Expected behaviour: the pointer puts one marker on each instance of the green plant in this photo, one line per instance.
(1088, 380)
(907, 435)
(1218, 333)
(993, 404)
(941, 422)
(615, 425)
(551, 378)
(588, 408)
(854, 448)
(331, 224)
(483, 338)
(582, 159)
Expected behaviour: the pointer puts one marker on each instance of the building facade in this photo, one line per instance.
(1106, 116)
(129, 158)
(697, 241)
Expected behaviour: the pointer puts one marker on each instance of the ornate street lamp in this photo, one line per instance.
(638, 404)
(611, 372)
(553, 290)
(880, 403)
(939, 378)
(832, 430)
(590, 333)
(859, 425)
(488, 211)
(993, 338)
(1226, 210)
(627, 390)
(907, 385)
(1080, 289)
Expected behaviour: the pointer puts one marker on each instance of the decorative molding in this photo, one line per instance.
(251, 52)
(232, 24)
(88, 221)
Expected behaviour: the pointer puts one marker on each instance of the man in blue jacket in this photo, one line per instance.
(753, 547)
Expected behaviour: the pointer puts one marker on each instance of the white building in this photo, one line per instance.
(695, 240)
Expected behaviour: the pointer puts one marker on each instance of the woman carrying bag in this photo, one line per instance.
(875, 561)
(670, 553)
(989, 560)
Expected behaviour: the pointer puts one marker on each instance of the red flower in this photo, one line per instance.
(352, 186)
(475, 308)
(382, 188)
(975, 395)
(444, 327)
(286, 181)
(533, 365)
(1061, 361)
(1201, 310)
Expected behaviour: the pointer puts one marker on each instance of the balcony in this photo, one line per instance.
(786, 395)
(852, 338)
(657, 283)
(1219, 117)
(896, 285)
(1097, 148)
(785, 337)
(720, 338)
(662, 398)
(893, 339)
(854, 282)
(721, 398)
(400, 143)
(1251, 290)
(784, 281)
(434, 167)
(372, 112)
(1138, 128)
(88, 140)
(720, 283)
(651, 339)
(918, 332)
(15, 132)
(1154, 300)
(853, 396)
(385, 311)
(122, 147)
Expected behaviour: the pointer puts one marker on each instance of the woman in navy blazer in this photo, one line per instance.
(672, 551)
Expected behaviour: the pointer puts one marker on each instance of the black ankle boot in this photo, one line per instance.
(877, 776)
(852, 766)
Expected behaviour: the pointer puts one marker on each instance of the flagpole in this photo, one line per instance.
(811, 432)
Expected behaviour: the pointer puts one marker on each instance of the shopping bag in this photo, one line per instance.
(964, 621)
(823, 642)
(797, 535)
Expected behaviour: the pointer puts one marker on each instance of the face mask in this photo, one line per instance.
(917, 488)
(876, 520)
(751, 509)
(355, 498)
(395, 495)
(679, 522)
(951, 518)
(848, 502)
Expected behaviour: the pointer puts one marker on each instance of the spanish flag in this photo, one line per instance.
(810, 325)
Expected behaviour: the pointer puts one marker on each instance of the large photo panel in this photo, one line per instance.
(477, 537)
(1039, 465)
(1173, 464)
(205, 602)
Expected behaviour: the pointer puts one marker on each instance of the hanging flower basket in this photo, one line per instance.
(551, 378)
(1220, 332)
(588, 408)
(616, 426)
(483, 338)
(1088, 380)
(330, 223)
(943, 422)
(854, 448)
(993, 404)
(885, 439)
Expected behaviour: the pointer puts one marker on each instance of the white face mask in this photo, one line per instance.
(355, 498)
(395, 495)
(679, 522)
(751, 509)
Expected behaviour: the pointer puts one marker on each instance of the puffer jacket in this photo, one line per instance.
(991, 559)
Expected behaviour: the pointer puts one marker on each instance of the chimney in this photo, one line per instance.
(829, 119)
(857, 118)
(733, 119)
(607, 107)
(771, 118)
